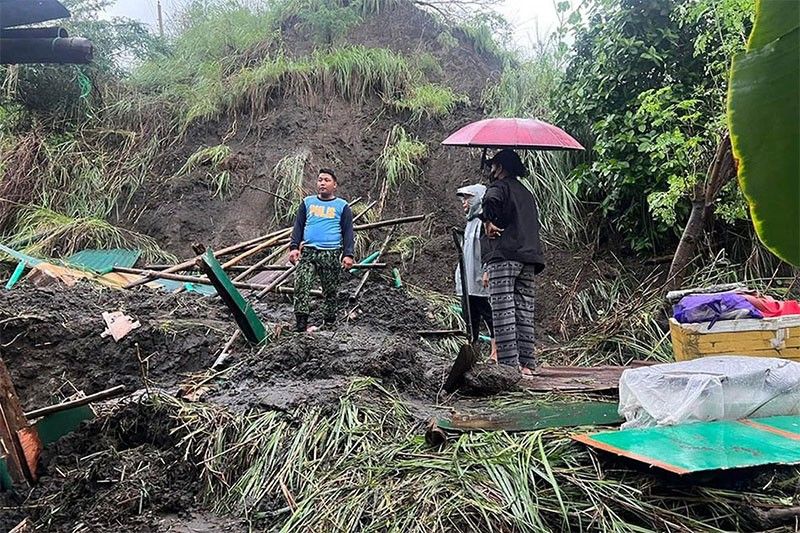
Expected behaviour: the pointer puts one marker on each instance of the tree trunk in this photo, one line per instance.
(721, 170)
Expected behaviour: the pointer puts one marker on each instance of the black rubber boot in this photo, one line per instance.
(301, 325)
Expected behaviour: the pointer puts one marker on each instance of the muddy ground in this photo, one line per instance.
(124, 473)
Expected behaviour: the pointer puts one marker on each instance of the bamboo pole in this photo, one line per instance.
(267, 268)
(290, 290)
(270, 257)
(277, 281)
(224, 353)
(224, 251)
(390, 222)
(113, 392)
(284, 247)
(263, 242)
(179, 277)
(264, 245)
(368, 272)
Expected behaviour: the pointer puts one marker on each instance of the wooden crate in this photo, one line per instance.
(769, 337)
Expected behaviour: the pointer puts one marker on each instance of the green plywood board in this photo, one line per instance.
(528, 418)
(103, 261)
(5, 476)
(704, 446)
(787, 424)
(53, 427)
(243, 312)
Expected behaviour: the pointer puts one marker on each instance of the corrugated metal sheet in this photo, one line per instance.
(706, 446)
(103, 261)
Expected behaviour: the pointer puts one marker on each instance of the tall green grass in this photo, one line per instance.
(429, 100)
(288, 174)
(355, 73)
(41, 232)
(326, 21)
(399, 162)
(213, 160)
(400, 159)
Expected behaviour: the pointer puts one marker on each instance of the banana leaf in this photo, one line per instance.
(764, 121)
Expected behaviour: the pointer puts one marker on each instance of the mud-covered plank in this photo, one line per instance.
(577, 378)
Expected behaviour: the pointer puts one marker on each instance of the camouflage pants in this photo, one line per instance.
(326, 265)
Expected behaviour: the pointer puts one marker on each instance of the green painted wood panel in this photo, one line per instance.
(704, 446)
(789, 424)
(246, 318)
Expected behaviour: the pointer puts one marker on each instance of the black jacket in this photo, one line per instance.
(509, 205)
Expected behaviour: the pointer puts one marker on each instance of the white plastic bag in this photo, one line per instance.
(709, 388)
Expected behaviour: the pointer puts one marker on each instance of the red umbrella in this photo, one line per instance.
(519, 133)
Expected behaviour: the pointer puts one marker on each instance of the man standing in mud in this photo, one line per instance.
(323, 242)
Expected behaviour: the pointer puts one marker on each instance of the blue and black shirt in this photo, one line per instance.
(324, 225)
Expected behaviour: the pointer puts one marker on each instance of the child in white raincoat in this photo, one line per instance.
(471, 197)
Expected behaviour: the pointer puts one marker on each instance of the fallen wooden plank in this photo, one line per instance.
(113, 392)
(246, 318)
(577, 378)
(525, 418)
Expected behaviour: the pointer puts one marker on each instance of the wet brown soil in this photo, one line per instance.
(488, 379)
(126, 472)
(52, 339)
(122, 473)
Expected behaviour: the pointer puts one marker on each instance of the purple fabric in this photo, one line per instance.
(713, 307)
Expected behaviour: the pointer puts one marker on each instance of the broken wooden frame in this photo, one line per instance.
(248, 248)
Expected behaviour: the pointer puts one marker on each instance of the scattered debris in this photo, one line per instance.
(103, 261)
(43, 274)
(107, 394)
(118, 325)
(578, 378)
(19, 443)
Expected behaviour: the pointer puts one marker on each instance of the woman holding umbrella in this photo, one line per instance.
(512, 255)
(511, 250)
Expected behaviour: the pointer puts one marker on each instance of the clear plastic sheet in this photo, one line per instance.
(709, 388)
